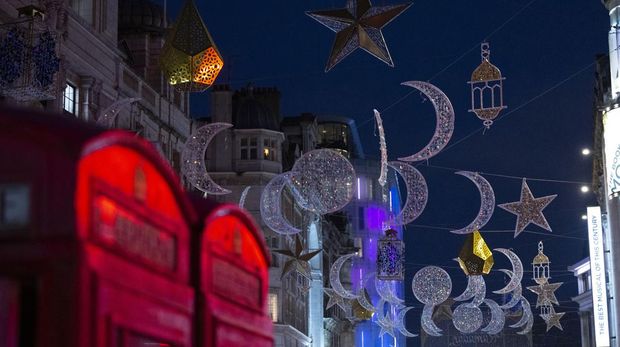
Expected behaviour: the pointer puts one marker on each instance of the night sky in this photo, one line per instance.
(546, 51)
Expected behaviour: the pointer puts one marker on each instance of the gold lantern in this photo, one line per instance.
(487, 94)
(540, 266)
(359, 311)
(190, 60)
(475, 257)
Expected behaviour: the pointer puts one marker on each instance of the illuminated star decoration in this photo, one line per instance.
(553, 319)
(546, 293)
(299, 259)
(387, 326)
(358, 25)
(529, 209)
(335, 299)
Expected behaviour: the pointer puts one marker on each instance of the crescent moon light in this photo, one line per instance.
(109, 113)
(498, 319)
(271, 206)
(476, 288)
(529, 323)
(334, 277)
(244, 194)
(365, 303)
(401, 322)
(517, 268)
(417, 192)
(427, 321)
(516, 294)
(487, 203)
(382, 148)
(445, 120)
(526, 314)
(193, 164)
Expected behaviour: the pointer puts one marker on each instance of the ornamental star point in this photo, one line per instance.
(358, 25)
(528, 209)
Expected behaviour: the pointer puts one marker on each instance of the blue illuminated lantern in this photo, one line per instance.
(391, 257)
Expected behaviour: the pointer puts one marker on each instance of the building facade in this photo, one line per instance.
(108, 51)
(581, 270)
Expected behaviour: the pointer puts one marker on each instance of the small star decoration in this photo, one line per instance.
(335, 299)
(553, 320)
(546, 293)
(358, 25)
(299, 258)
(528, 209)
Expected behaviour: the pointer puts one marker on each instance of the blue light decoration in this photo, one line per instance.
(46, 63)
(390, 257)
(28, 59)
(12, 56)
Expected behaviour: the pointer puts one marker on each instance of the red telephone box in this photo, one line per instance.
(94, 238)
(232, 277)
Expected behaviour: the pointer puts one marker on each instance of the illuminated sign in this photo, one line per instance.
(597, 274)
(119, 228)
(612, 150)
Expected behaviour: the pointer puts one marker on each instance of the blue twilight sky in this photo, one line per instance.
(537, 45)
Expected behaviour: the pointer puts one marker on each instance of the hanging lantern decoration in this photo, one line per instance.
(540, 266)
(190, 60)
(475, 257)
(487, 94)
(28, 59)
(391, 257)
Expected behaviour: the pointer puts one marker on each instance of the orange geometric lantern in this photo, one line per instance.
(190, 60)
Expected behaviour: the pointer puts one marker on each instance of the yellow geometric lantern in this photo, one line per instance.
(190, 60)
(475, 257)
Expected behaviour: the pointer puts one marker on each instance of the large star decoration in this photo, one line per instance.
(299, 259)
(358, 25)
(546, 293)
(528, 209)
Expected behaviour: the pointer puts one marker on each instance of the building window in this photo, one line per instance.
(249, 148)
(84, 8)
(269, 149)
(274, 243)
(70, 99)
(273, 306)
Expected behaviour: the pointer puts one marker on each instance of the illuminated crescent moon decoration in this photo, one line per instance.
(427, 323)
(417, 192)
(445, 120)
(476, 288)
(517, 269)
(401, 322)
(244, 194)
(361, 299)
(498, 319)
(487, 203)
(382, 148)
(516, 294)
(108, 115)
(334, 277)
(271, 206)
(193, 165)
(527, 318)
